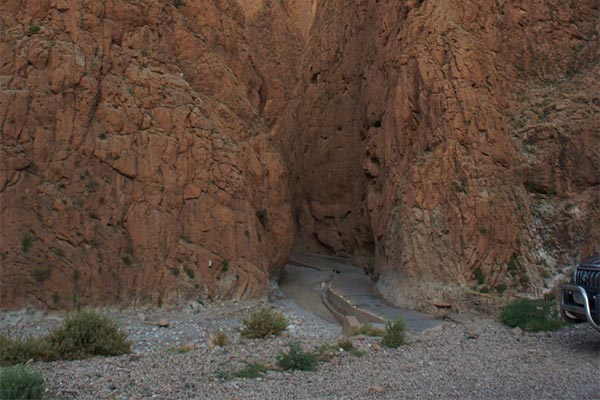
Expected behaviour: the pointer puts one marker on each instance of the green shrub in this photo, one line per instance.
(479, 276)
(83, 334)
(26, 243)
(86, 334)
(393, 335)
(224, 374)
(264, 323)
(532, 315)
(91, 186)
(501, 288)
(367, 330)
(19, 382)
(251, 371)
(513, 266)
(225, 265)
(20, 350)
(34, 29)
(296, 358)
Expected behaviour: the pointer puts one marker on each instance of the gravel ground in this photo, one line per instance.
(477, 358)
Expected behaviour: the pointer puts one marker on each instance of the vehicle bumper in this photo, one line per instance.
(577, 302)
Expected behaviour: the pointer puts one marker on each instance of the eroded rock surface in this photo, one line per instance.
(458, 142)
(136, 163)
(157, 150)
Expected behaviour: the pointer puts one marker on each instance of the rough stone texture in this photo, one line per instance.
(458, 142)
(135, 162)
(445, 145)
(477, 358)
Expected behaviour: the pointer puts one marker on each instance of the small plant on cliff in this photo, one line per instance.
(91, 186)
(19, 382)
(394, 333)
(178, 3)
(296, 358)
(532, 315)
(513, 266)
(126, 259)
(189, 271)
(34, 29)
(501, 288)
(225, 265)
(27, 242)
(264, 323)
(479, 276)
(262, 216)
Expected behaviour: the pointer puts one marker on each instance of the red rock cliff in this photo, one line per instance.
(458, 142)
(159, 150)
(136, 164)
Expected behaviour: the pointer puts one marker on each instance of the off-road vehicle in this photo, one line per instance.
(580, 300)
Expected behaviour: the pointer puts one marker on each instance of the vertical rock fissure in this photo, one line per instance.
(400, 143)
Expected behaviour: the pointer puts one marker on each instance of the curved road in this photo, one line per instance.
(303, 286)
(307, 276)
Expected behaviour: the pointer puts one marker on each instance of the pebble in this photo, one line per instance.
(376, 389)
(163, 323)
(517, 331)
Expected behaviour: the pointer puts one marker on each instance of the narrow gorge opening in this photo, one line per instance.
(159, 151)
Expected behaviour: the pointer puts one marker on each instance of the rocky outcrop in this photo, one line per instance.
(136, 163)
(158, 150)
(455, 141)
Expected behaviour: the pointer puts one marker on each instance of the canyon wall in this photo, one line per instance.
(457, 142)
(136, 164)
(154, 151)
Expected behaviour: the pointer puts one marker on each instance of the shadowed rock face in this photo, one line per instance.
(136, 164)
(152, 152)
(457, 141)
